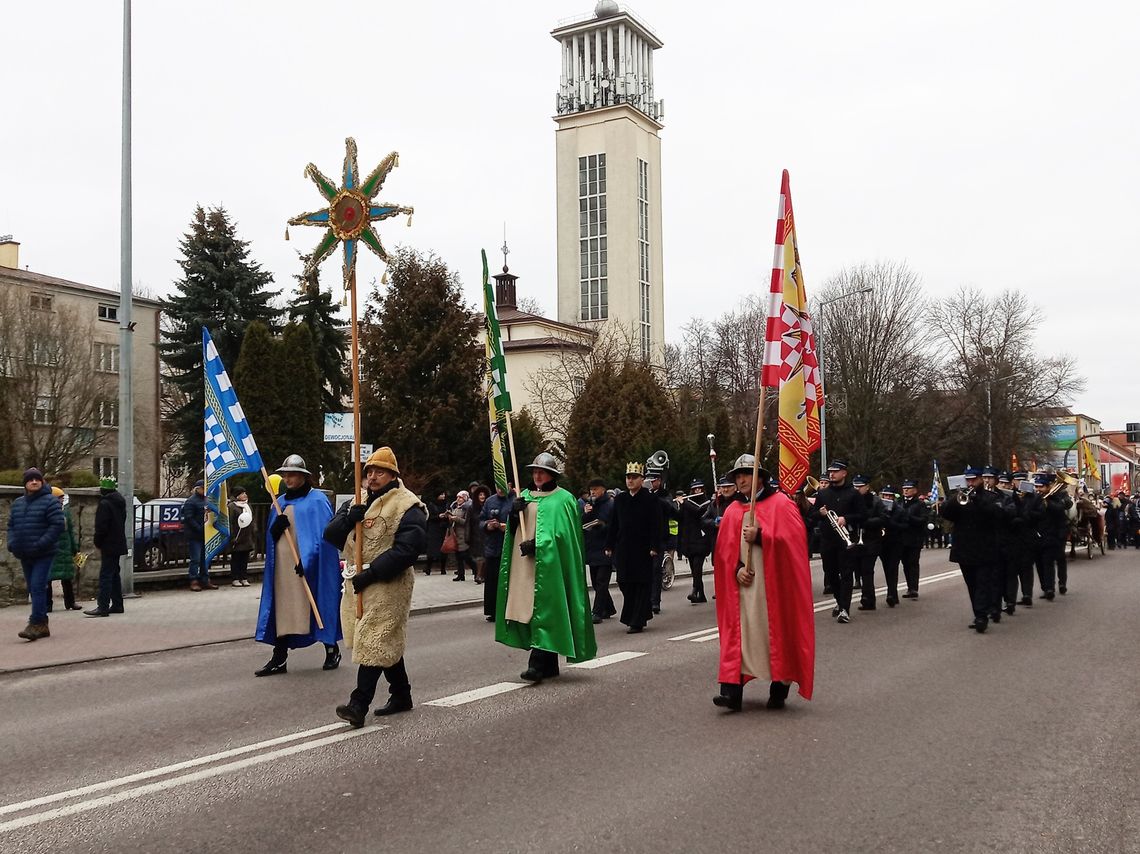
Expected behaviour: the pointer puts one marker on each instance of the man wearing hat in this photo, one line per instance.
(918, 526)
(839, 562)
(869, 536)
(393, 523)
(35, 522)
(976, 514)
(655, 481)
(285, 619)
(634, 541)
(764, 605)
(194, 524)
(692, 541)
(543, 603)
(111, 541)
(893, 533)
(1052, 531)
(1029, 511)
(725, 495)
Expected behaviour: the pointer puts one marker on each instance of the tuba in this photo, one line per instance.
(658, 460)
(811, 486)
(1064, 480)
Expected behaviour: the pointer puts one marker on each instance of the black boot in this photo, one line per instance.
(276, 664)
(332, 657)
(396, 703)
(731, 697)
(777, 694)
(352, 713)
(399, 691)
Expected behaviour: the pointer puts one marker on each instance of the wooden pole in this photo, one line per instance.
(358, 538)
(515, 469)
(292, 538)
(755, 471)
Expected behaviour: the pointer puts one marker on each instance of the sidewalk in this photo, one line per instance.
(175, 619)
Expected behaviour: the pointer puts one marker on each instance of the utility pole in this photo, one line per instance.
(126, 327)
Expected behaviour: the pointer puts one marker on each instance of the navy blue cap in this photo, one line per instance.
(838, 465)
(697, 483)
(198, 483)
(888, 489)
(972, 471)
(1043, 478)
(725, 480)
(1020, 475)
(910, 484)
(860, 480)
(990, 471)
(1005, 477)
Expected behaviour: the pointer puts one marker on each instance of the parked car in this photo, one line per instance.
(159, 538)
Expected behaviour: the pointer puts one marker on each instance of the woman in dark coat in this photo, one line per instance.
(476, 535)
(437, 524)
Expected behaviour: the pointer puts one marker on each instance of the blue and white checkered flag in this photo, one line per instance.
(230, 448)
(936, 486)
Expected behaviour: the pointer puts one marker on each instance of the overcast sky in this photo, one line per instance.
(987, 143)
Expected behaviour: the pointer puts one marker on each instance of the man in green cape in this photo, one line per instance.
(543, 605)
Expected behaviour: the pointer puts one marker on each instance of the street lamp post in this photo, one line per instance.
(819, 358)
(990, 415)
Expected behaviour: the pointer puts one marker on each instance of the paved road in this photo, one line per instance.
(923, 737)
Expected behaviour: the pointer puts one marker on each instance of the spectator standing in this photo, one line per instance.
(475, 530)
(458, 515)
(63, 567)
(34, 526)
(243, 536)
(111, 541)
(493, 520)
(194, 524)
(437, 524)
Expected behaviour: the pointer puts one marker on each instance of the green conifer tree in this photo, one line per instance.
(315, 309)
(422, 373)
(223, 290)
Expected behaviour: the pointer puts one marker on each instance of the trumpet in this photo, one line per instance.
(965, 496)
(844, 534)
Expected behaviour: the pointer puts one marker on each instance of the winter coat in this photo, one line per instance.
(843, 501)
(110, 522)
(692, 541)
(35, 524)
(63, 567)
(475, 533)
(436, 529)
(194, 515)
(1053, 526)
(499, 509)
(241, 539)
(975, 528)
(636, 529)
(594, 537)
(713, 514)
(458, 516)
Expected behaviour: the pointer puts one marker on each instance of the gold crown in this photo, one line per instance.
(635, 468)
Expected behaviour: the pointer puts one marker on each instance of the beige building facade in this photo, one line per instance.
(71, 383)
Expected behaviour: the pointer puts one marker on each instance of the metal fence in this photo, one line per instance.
(161, 541)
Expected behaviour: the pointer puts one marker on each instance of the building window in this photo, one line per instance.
(109, 413)
(107, 467)
(41, 302)
(107, 358)
(593, 272)
(45, 352)
(643, 253)
(108, 312)
(45, 410)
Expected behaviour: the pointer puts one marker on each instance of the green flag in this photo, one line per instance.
(496, 360)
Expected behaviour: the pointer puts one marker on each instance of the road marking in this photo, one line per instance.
(614, 658)
(161, 772)
(477, 694)
(185, 779)
(713, 633)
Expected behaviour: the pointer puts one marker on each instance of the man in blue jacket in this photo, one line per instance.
(34, 526)
(495, 518)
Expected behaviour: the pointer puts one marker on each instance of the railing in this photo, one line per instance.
(161, 542)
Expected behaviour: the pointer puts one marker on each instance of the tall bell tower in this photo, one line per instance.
(608, 155)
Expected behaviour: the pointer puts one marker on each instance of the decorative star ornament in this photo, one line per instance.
(351, 211)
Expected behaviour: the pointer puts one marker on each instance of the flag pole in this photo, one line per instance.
(515, 469)
(755, 470)
(358, 537)
(292, 538)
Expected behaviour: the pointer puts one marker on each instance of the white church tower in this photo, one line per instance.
(609, 176)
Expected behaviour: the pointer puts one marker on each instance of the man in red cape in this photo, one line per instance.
(765, 614)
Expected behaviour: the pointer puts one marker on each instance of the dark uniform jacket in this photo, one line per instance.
(595, 536)
(635, 530)
(872, 522)
(975, 527)
(843, 501)
(1053, 526)
(692, 540)
(711, 520)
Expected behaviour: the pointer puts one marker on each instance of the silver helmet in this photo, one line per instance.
(744, 464)
(547, 462)
(294, 462)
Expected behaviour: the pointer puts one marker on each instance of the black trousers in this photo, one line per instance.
(636, 610)
(1015, 563)
(838, 571)
(239, 563)
(68, 593)
(1049, 554)
(491, 584)
(600, 575)
(697, 566)
(655, 586)
(544, 661)
(979, 583)
(367, 676)
(463, 559)
(110, 596)
(910, 560)
(866, 561)
(891, 557)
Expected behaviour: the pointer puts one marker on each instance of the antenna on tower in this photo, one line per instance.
(505, 250)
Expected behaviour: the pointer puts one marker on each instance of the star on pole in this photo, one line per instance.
(351, 211)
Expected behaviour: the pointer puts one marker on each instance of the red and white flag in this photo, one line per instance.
(790, 363)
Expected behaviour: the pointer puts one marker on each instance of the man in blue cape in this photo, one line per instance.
(285, 618)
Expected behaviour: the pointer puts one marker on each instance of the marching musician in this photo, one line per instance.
(1030, 509)
(869, 539)
(841, 500)
(895, 529)
(692, 541)
(1052, 530)
(974, 512)
(917, 516)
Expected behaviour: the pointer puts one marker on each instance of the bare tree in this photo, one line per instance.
(530, 305)
(60, 390)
